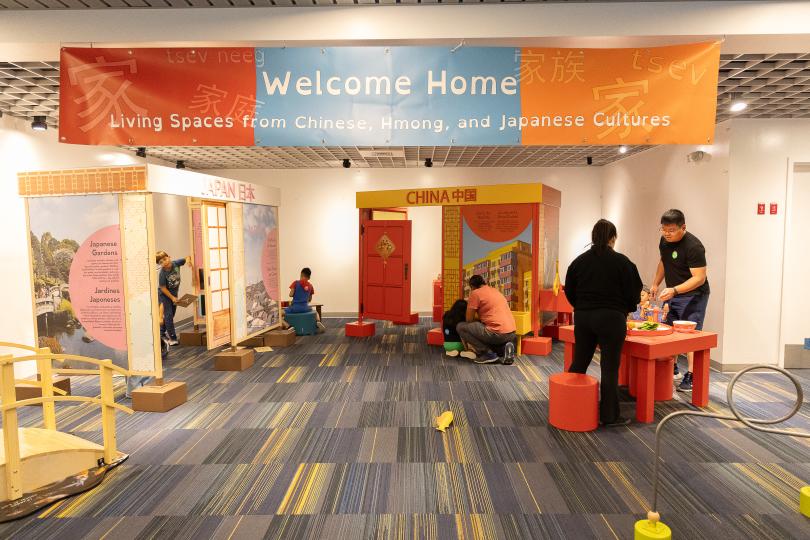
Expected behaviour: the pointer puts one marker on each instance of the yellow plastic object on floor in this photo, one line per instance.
(444, 420)
(804, 501)
(651, 528)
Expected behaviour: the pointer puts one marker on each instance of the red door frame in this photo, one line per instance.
(365, 216)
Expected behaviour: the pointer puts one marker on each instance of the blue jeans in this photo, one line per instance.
(688, 308)
(169, 308)
(297, 307)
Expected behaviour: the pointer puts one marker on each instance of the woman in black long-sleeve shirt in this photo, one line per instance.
(603, 286)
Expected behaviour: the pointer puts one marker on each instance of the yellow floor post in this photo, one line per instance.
(11, 434)
(46, 380)
(108, 413)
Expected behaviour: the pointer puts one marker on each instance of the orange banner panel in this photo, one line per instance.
(661, 95)
(169, 97)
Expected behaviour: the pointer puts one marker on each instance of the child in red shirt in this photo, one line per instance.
(301, 292)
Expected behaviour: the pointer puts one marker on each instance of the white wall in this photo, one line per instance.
(760, 150)
(796, 286)
(319, 220)
(637, 190)
(173, 237)
(22, 149)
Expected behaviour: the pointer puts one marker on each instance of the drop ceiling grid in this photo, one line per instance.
(776, 85)
(194, 4)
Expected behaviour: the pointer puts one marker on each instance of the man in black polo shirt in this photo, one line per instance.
(683, 264)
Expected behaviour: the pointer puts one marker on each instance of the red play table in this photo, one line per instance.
(643, 352)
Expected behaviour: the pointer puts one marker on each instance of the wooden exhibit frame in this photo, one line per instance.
(452, 199)
(236, 340)
(143, 180)
(195, 204)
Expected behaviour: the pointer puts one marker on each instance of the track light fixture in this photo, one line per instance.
(141, 152)
(347, 163)
(589, 160)
(428, 162)
(622, 149)
(180, 164)
(39, 124)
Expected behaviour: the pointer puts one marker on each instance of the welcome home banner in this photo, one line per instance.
(388, 96)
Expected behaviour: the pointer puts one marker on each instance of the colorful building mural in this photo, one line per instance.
(505, 269)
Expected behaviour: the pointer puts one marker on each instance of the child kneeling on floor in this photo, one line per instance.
(452, 341)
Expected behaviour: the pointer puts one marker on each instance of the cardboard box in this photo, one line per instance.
(280, 338)
(24, 391)
(159, 398)
(193, 338)
(256, 341)
(238, 360)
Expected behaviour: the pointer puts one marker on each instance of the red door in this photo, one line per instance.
(386, 270)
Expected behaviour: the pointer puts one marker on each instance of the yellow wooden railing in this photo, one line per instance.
(10, 404)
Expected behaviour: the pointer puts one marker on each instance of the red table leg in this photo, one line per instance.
(700, 383)
(645, 398)
(632, 372)
(624, 371)
(568, 359)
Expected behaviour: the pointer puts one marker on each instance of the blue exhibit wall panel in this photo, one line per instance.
(397, 96)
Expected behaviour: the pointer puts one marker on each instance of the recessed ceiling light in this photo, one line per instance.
(622, 149)
(39, 124)
(737, 106)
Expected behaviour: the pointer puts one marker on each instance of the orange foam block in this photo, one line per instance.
(540, 346)
(435, 337)
(360, 329)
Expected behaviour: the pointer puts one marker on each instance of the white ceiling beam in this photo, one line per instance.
(746, 26)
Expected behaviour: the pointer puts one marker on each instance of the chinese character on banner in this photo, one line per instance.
(530, 65)
(470, 195)
(617, 94)
(568, 67)
(458, 195)
(208, 98)
(108, 90)
(244, 106)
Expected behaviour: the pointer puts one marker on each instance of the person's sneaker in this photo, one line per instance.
(488, 358)
(677, 375)
(321, 327)
(619, 422)
(453, 353)
(509, 354)
(686, 383)
(173, 342)
(469, 355)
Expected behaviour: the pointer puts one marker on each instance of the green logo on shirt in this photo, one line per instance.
(674, 254)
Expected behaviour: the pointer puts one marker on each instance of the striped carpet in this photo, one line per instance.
(332, 438)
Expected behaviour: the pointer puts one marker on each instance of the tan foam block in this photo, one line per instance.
(238, 360)
(159, 398)
(25, 391)
(280, 338)
(193, 338)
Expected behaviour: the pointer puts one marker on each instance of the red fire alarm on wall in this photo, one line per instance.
(774, 208)
(761, 209)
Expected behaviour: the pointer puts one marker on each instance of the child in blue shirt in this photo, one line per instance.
(168, 289)
(301, 292)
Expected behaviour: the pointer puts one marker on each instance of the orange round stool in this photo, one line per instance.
(664, 378)
(573, 402)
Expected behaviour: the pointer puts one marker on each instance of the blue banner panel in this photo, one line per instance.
(397, 96)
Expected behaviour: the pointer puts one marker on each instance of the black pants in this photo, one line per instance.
(606, 328)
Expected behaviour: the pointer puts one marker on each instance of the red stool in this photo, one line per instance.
(573, 402)
(664, 378)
